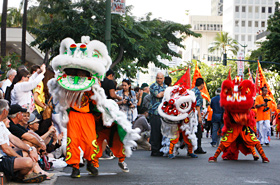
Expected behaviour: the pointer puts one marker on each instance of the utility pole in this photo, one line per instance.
(108, 26)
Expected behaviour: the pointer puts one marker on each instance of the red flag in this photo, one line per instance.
(185, 80)
(262, 82)
(229, 76)
(204, 91)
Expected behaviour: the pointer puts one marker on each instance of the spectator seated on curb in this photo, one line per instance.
(142, 123)
(52, 140)
(12, 163)
(30, 138)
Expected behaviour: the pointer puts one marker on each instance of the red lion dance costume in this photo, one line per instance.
(237, 100)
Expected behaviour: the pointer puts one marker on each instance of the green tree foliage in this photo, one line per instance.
(141, 40)
(270, 48)
(224, 43)
(9, 62)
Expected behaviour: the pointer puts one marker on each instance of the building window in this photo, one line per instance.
(236, 23)
(263, 24)
(236, 8)
(269, 9)
(263, 9)
(249, 23)
(249, 38)
(256, 9)
(236, 37)
(243, 8)
(242, 37)
(243, 23)
(256, 24)
(250, 9)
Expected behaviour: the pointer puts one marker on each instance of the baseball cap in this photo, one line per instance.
(16, 108)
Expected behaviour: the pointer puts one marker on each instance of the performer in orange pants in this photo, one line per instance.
(248, 137)
(81, 132)
(110, 134)
(116, 148)
(173, 142)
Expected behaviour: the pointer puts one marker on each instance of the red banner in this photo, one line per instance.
(204, 91)
(185, 80)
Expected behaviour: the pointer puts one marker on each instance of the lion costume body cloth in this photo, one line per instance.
(237, 100)
(78, 70)
(177, 111)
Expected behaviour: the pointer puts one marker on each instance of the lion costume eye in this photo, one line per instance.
(183, 105)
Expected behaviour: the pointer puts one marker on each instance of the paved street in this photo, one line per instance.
(145, 169)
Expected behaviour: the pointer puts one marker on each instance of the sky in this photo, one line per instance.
(174, 10)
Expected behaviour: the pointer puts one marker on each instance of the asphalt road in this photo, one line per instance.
(145, 169)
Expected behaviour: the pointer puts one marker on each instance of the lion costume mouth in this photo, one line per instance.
(79, 66)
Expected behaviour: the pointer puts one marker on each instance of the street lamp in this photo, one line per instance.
(243, 46)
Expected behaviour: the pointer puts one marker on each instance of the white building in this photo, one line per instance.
(243, 19)
(217, 7)
(197, 48)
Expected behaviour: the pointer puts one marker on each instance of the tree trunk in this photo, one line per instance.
(3, 29)
(24, 25)
(46, 58)
(119, 58)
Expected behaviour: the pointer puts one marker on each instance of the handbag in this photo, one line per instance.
(47, 113)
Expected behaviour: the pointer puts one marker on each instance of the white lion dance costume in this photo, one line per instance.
(78, 70)
(179, 118)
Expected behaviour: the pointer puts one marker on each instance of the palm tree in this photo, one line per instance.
(24, 25)
(3, 29)
(224, 43)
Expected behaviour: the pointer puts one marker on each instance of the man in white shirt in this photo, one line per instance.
(12, 163)
(10, 77)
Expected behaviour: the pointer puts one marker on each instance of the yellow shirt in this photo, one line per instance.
(41, 96)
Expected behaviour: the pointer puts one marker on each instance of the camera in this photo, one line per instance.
(266, 100)
(128, 103)
(266, 108)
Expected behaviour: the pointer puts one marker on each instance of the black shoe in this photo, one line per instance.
(200, 151)
(267, 144)
(93, 171)
(75, 173)
(157, 154)
(123, 166)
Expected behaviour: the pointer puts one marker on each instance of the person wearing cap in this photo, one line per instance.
(15, 116)
(144, 91)
(12, 162)
(217, 117)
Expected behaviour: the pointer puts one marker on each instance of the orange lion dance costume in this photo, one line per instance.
(78, 69)
(237, 100)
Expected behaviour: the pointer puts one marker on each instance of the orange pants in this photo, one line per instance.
(249, 139)
(81, 132)
(174, 141)
(117, 145)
